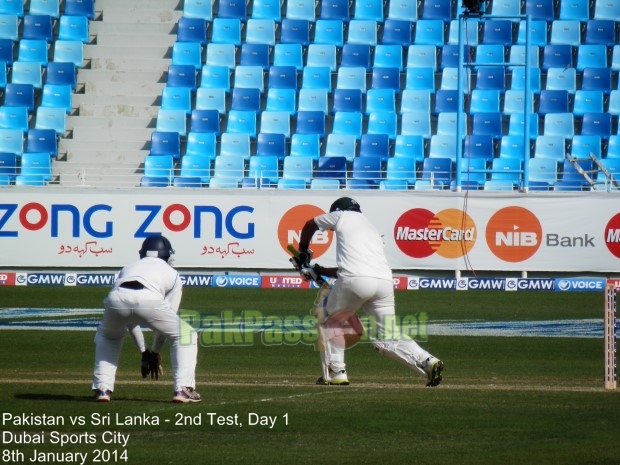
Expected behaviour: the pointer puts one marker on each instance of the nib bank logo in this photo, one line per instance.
(513, 234)
(420, 233)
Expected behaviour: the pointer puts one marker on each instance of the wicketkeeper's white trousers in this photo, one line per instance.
(376, 298)
(124, 307)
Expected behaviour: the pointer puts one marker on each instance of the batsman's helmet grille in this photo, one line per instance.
(156, 246)
(343, 204)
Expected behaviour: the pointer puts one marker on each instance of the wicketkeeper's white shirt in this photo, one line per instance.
(359, 246)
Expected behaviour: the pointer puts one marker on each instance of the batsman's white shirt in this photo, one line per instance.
(359, 246)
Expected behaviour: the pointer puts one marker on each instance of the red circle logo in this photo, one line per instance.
(514, 234)
(450, 233)
(612, 235)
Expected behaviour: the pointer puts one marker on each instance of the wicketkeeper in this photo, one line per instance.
(147, 291)
(364, 280)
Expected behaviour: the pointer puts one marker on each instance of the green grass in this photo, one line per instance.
(503, 400)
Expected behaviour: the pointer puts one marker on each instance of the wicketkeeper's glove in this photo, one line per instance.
(151, 364)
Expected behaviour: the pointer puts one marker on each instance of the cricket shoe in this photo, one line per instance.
(102, 395)
(335, 379)
(185, 395)
(433, 368)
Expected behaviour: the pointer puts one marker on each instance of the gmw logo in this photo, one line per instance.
(450, 233)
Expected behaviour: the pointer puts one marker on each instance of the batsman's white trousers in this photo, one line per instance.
(129, 306)
(376, 298)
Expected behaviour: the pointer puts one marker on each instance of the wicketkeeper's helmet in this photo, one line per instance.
(156, 246)
(343, 204)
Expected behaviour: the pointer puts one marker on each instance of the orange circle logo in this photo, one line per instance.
(420, 233)
(293, 221)
(514, 234)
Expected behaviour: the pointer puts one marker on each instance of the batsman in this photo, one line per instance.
(363, 281)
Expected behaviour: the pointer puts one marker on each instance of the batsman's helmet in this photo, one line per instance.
(344, 204)
(156, 246)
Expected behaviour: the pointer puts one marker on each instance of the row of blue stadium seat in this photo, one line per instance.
(53, 8)
(411, 10)
(43, 27)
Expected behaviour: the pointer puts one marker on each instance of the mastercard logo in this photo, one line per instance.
(420, 233)
(293, 220)
(513, 234)
(612, 235)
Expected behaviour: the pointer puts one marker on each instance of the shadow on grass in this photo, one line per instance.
(66, 397)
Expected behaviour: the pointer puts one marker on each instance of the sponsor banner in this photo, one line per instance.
(236, 281)
(240, 230)
(615, 282)
(285, 281)
(7, 279)
(583, 285)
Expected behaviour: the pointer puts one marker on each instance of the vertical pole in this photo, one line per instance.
(459, 115)
(610, 337)
(527, 102)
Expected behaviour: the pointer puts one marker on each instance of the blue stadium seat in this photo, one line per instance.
(415, 100)
(550, 147)
(591, 56)
(420, 79)
(319, 55)
(613, 147)
(562, 79)
(491, 78)
(416, 124)
(538, 32)
(177, 98)
(506, 8)
(351, 78)
(401, 169)
(255, 55)
(267, 9)
(181, 76)
(295, 31)
(437, 9)
(281, 99)
(324, 183)
(205, 121)
(335, 9)
(301, 9)
(600, 31)
(289, 55)
(57, 95)
(183, 53)
(311, 122)
(473, 172)
(388, 56)
(487, 124)
(540, 9)
(12, 141)
(42, 140)
(410, 146)
(208, 98)
(340, 145)
(543, 171)
(71, 51)
(165, 143)
(27, 72)
(597, 79)
(583, 146)
(383, 122)
(36, 164)
(288, 183)
(20, 95)
(450, 55)
(497, 31)
(517, 81)
(512, 146)
(490, 54)
(273, 145)
(386, 79)
(356, 55)
(306, 145)
(213, 76)
(316, 77)
(235, 145)
(362, 32)
(249, 77)
(159, 166)
(422, 56)
(596, 124)
(484, 101)
(588, 101)
(332, 167)
(574, 9)
(368, 9)
(449, 79)
(51, 118)
(226, 30)
(393, 184)
(329, 31)
(557, 56)
(80, 8)
(375, 145)
(553, 101)
(50, 8)
(479, 146)
(276, 122)
(516, 124)
(517, 56)
(202, 9)
(443, 146)
(515, 100)
(366, 168)
(313, 100)
(229, 167)
(33, 50)
(246, 99)
(446, 100)
(565, 31)
(348, 122)
(196, 166)
(242, 122)
(232, 9)
(300, 168)
(282, 77)
(471, 32)
(201, 143)
(559, 124)
(40, 27)
(221, 55)
(614, 103)
(397, 32)
(438, 171)
(8, 167)
(404, 11)
(347, 100)
(380, 100)
(606, 9)
(507, 169)
(192, 30)
(429, 32)
(260, 31)
(265, 169)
